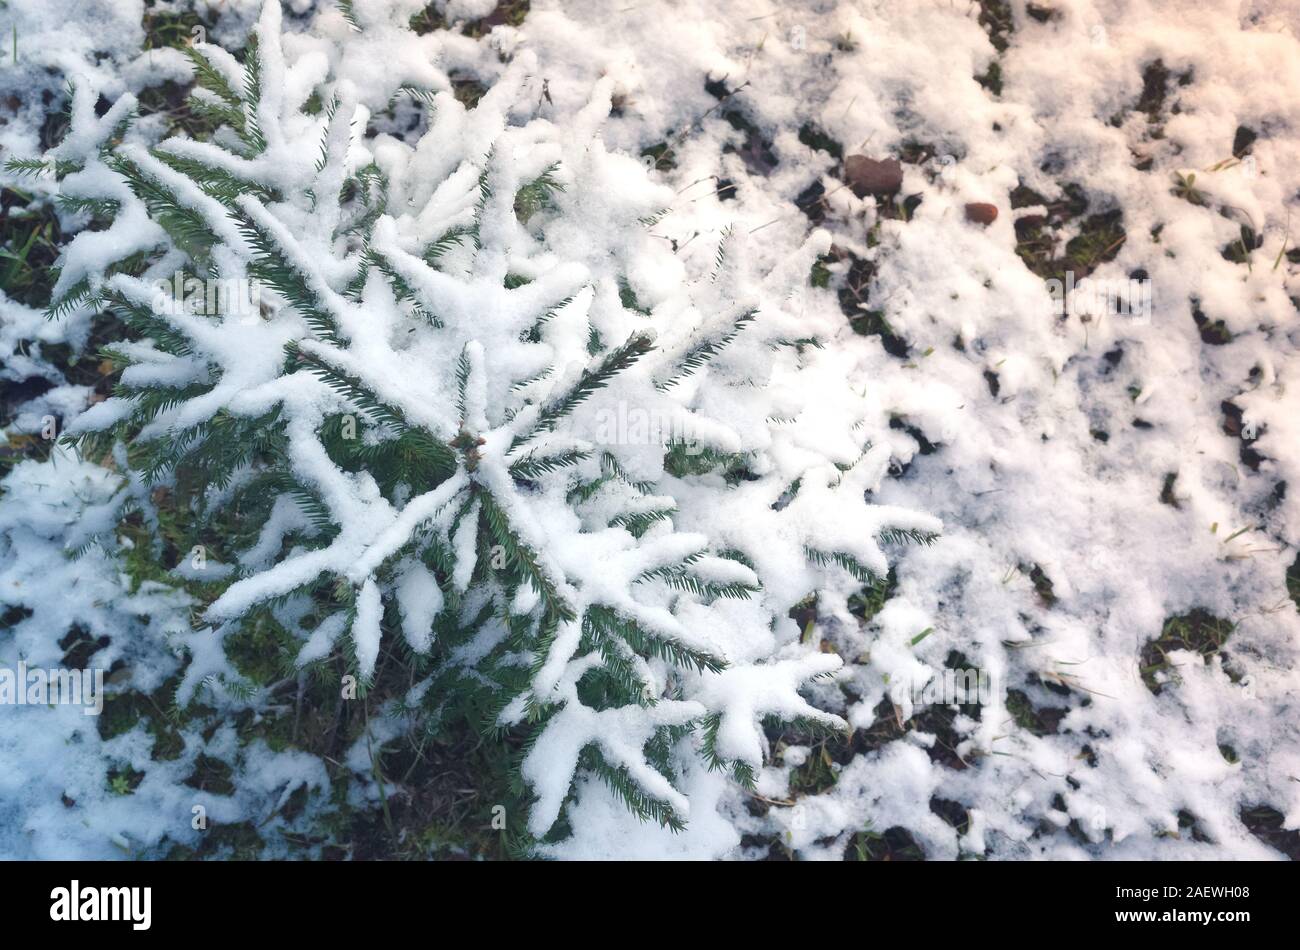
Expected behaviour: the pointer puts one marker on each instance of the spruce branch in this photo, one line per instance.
(271, 266)
(846, 561)
(591, 381)
(701, 353)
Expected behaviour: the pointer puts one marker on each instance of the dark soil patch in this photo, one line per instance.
(1265, 823)
(1234, 426)
(1197, 630)
(1040, 720)
(893, 844)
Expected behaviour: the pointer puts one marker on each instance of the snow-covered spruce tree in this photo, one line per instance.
(479, 416)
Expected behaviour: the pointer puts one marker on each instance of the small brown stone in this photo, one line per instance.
(979, 212)
(868, 176)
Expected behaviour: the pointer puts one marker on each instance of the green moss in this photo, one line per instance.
(1155, 86)
(1100, 237)
(1099, 241)
(125, 711)
(124, 780)
(1213, 332)
(856, 291)
(818, 773)
(468, 91)
(818, 140)
(119, 716)
(1167, 496)
(869, 601)
(507, 13)
(1042, 584)
(998, 21)
(893, 844)
(172, 28)
(1185, 188)
(211, 775)
(261, 649)
(1239, 251)
(662, 154)
(1197, 630)
(991, 78)
(1041, 721)
(820, 275)
(953, 813)
(914, 152)
(30, 239)
(427, 21)
(237, 842)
